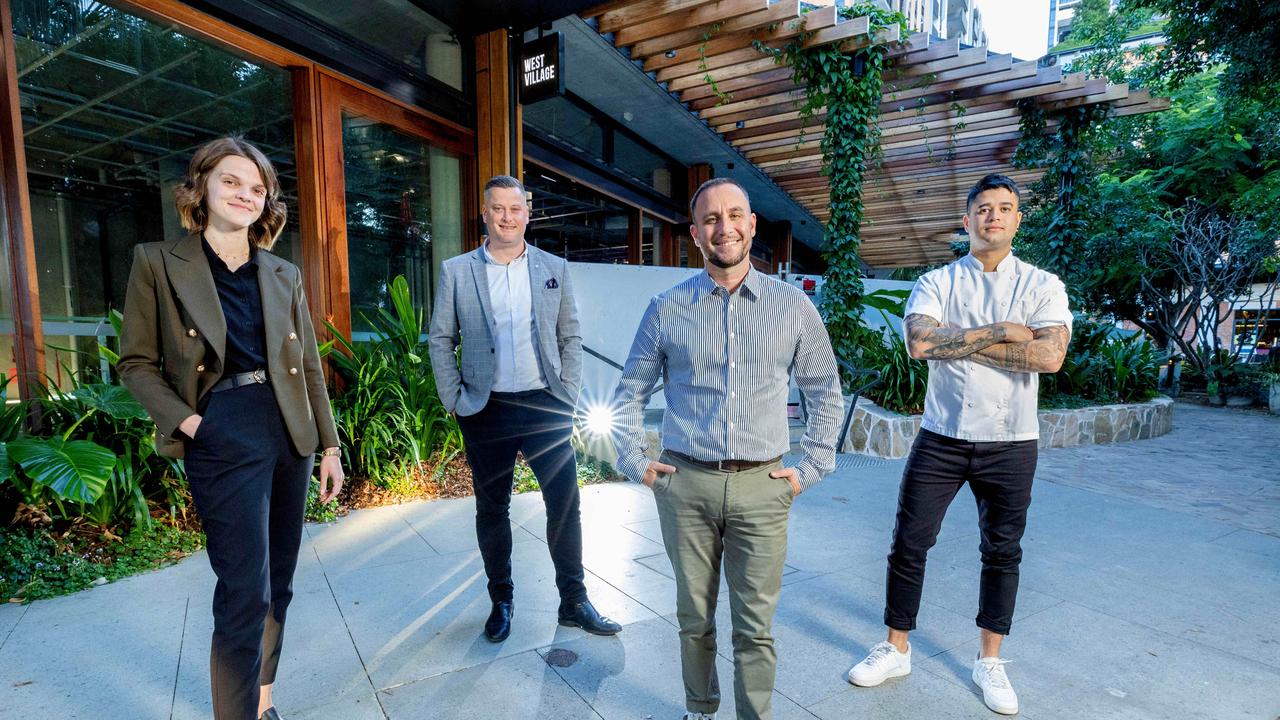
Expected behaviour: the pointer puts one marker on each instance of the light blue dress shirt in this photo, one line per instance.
(516, 365)
(727, 360)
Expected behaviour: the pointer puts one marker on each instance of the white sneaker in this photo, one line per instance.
(883, 662)
(699, 716)
(997, 693)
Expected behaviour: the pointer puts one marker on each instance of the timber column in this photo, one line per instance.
(499, 138)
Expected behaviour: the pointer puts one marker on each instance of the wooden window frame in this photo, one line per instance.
(319, 94)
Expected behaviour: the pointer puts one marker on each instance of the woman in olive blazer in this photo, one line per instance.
(218, 346)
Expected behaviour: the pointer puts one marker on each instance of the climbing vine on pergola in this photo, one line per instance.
(847, 88)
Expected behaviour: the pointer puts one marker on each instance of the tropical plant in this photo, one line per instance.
(93, 456)
(385, 402)
(903, 380)
(1102, 368)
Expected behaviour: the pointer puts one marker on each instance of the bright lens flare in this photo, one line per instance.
(599, 420)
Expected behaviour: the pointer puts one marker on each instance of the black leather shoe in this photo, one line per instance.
(498, 626)
(270, 714)
(584, 615)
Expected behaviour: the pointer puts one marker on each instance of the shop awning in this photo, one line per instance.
(949, 113)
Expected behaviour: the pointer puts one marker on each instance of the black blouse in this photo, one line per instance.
(241, 300)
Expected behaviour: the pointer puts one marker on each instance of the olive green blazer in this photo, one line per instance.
(173, 342)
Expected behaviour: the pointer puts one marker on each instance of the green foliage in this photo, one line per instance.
(1122, 232)
(848, 89)
(1065, 189)
(1100, 369)
(590, 472)
(1107, 33)
(35, 564)
(1242, 35)
(389, 416)
(74, 470)
(92, 455)
(316, 510)
(903, 379)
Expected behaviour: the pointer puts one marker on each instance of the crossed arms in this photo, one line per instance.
(1003, 345)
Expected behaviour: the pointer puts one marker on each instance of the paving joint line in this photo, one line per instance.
(359, 656)
(177, 671)
(17, 622)
(569, 685)
(414, 530)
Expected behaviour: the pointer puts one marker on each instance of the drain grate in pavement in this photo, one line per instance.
(849, 461)
(561, 658)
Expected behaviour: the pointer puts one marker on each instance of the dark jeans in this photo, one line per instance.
(250, 488)
(1000, 475)
(538, 425)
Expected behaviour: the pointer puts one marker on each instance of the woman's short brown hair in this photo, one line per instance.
(189, 195)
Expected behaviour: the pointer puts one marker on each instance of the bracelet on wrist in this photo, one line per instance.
(331, 452)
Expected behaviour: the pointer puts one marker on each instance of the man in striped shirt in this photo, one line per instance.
(727, 342)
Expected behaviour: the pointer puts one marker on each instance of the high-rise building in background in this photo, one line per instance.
(1061, 14)
(943, 18)
(1065, 49)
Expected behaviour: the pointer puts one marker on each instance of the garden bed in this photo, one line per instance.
(882, 433)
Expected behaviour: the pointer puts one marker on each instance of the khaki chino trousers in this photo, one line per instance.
(709, 517)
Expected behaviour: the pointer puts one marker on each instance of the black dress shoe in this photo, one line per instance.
(270, 714)
(584, 615)
(498, 626)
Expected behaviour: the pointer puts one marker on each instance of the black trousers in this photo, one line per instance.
(539, 425)
(250, 489)
(1000, 475)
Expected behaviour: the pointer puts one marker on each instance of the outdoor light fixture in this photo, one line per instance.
(598, 420)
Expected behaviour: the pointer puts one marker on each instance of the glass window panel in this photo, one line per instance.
(640, 163)
(413, 38)
(8, 361)
(650, 240)
(568, 123)
(404, 213)
(573, 221)
(113, 106)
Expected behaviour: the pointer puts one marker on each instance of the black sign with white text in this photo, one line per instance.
(542, 69)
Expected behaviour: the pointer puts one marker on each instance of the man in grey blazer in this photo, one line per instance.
(513, 387)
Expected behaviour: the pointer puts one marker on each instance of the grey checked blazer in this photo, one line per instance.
(463, 315)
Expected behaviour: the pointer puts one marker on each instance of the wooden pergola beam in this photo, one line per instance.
(948, 114)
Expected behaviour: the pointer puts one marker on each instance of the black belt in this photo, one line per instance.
(231, 382)
(723, 465)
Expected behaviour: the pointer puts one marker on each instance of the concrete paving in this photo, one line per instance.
(1150, 589)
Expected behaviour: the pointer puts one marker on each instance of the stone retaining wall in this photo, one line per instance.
(881, 433)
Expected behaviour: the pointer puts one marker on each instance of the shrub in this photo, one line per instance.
(903, 379)
(91, 455)
(389, 416)
(1103, 369)
(37, 563)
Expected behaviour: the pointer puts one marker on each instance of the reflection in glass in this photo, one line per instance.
(641, 164)
(112, 108)
(8, 361)
(416, 40)
(572, 126)
(650, 240)
(404, 213)
(573, 221)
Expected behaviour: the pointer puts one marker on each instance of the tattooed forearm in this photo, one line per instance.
(927, 341)
(1043, 354)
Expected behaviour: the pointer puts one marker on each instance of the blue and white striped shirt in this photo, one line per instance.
(726, 361)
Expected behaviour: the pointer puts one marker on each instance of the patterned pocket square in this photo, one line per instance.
(552, 284)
